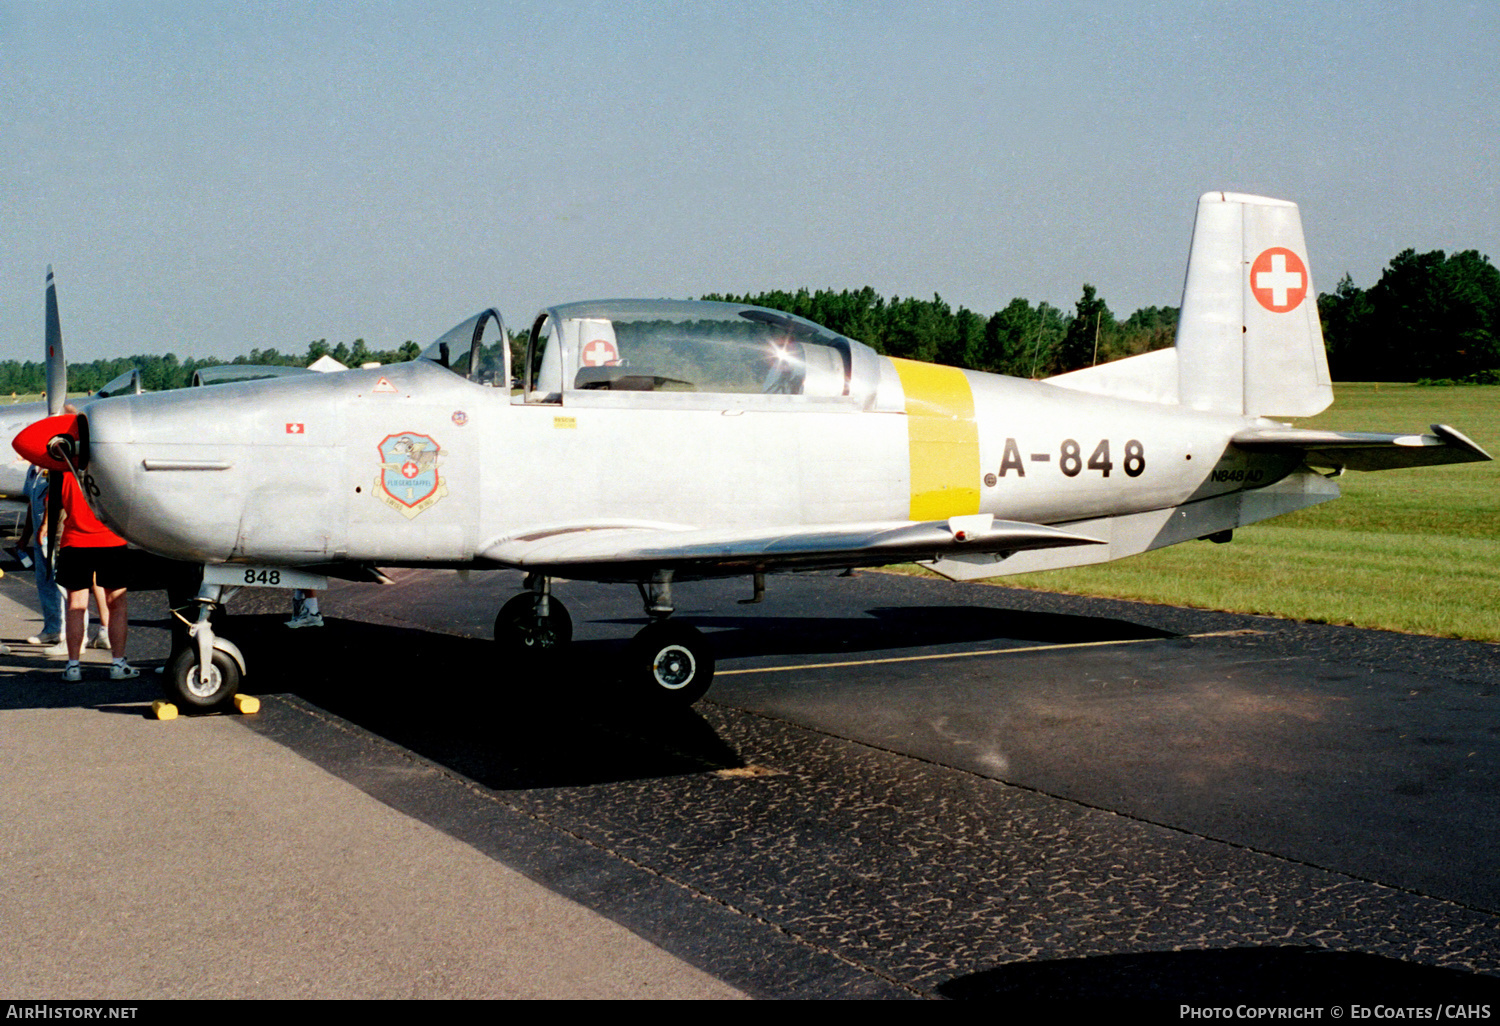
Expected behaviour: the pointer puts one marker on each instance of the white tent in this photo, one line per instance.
(326, 363)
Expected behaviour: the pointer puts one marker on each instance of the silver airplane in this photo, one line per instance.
(652, 442)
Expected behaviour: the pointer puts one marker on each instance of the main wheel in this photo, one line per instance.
(189, 686)
(521, 632)
(670, 662)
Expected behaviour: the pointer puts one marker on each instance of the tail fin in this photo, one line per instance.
(1248, 337)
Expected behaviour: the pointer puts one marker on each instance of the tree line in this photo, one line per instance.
(1430, 317)
(1021, 340)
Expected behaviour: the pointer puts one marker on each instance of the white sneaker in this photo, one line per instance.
(73, 674)
(4, 648)
(306, 620)
(122, 670)
(100, 640)
(44, 639)
(61, 648)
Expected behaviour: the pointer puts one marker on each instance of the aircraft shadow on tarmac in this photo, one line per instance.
(1264, 975)
(570, 722)
(32, 681)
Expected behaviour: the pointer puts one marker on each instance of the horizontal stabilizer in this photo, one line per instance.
(621, 551)
(1363, 450)
(1148, 378)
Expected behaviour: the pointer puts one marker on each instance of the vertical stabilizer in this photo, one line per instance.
(1248, 338)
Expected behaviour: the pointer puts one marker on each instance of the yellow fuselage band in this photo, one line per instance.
(943, 437)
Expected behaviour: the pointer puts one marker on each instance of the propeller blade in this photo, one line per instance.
(57, 367)
(54, 515)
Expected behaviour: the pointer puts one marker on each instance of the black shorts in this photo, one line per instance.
(79, 566)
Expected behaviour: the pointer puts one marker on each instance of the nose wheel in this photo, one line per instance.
(205, 674)
(192, 686)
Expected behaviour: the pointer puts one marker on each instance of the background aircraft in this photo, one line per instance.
(657, 441)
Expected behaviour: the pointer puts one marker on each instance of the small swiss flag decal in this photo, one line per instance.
(295, 429)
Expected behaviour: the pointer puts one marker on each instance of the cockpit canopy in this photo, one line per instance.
(683, 346)
(226, 373)
(682, 352)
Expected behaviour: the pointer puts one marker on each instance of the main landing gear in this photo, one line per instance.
(665, 662)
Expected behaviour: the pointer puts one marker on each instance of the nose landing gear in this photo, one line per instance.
(206, 674)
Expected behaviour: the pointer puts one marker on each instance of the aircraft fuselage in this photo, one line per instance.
(413, 465)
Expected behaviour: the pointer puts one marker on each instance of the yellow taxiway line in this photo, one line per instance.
(984, 652)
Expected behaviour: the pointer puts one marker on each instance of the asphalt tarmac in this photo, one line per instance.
(897, 787)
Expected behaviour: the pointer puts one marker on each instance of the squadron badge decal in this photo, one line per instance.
(408, 481)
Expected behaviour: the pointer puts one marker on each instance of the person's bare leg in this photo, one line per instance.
(119, 621)
(78, 606)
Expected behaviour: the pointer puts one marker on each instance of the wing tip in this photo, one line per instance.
(1458, 440)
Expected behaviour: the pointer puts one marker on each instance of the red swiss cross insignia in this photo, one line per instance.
(1278, 278)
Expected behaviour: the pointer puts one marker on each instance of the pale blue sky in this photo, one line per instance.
(208, 178)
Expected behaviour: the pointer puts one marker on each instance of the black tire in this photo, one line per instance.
(520, 632)
(187, 688)
(670, 662)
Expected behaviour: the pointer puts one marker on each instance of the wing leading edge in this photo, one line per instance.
(1363, 450)
(626, 551)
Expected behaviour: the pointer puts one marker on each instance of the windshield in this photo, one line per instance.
(128, 383)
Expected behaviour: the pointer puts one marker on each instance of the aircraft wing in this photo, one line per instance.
(1363, 450)
(623, 550)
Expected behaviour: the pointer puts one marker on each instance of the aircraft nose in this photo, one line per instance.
(106, 481)
(143, 454)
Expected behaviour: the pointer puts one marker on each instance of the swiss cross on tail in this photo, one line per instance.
(1279, 280)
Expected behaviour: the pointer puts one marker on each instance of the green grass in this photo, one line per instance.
(1405, 550)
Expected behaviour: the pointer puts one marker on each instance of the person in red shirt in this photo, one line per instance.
(90, 553)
